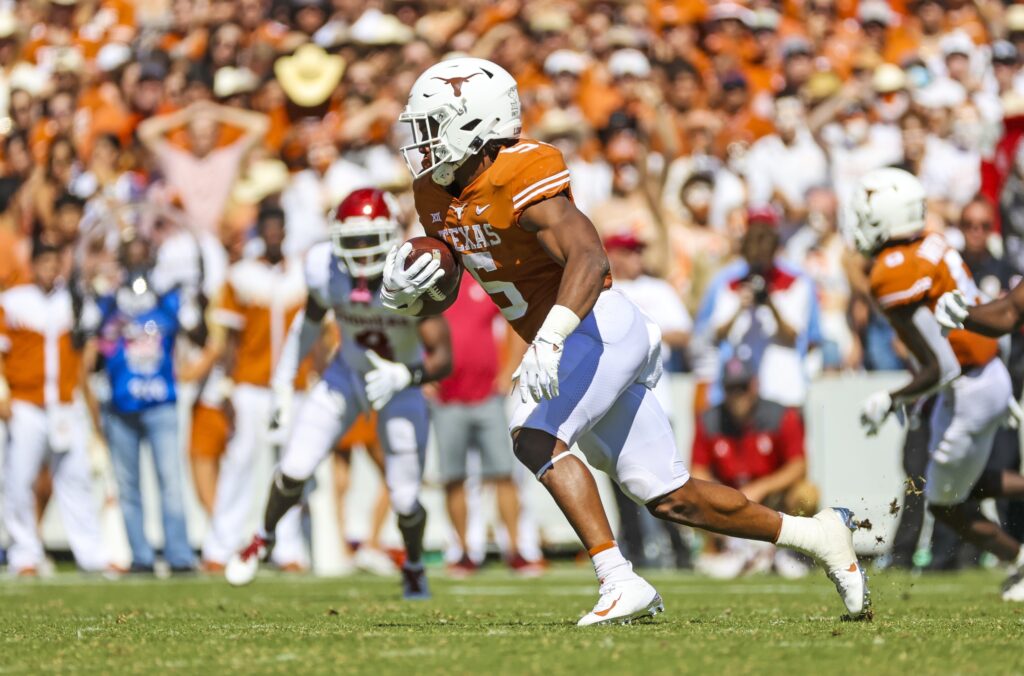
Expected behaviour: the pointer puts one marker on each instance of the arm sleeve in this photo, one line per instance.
(792, 435)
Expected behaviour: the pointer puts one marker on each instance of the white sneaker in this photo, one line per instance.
(836, 555)
(373, 560)
(242, 566)
(624, 601)
(1013, 588)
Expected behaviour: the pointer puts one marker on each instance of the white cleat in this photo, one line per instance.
(1013, 588)
(624, 601)
(837, 556)
(372, 560)
(242, 566)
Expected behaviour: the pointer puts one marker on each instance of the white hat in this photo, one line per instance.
(942, 93)
(27, 77)
(262, 179)
(956, 42)
(875, 10)
(731, 10)
(112, 56)
(565, 61)
(8, 24)
(1015, 18)
(888, 78)
(629, 62)
(376, 28)
(229, 81)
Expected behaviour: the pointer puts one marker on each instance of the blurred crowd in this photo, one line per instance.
(713, 144)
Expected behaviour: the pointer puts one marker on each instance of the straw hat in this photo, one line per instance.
(264, 178)
(309, 76)
(229, 81)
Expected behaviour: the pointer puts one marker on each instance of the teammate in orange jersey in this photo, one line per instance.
(504, 204)
(909, 273)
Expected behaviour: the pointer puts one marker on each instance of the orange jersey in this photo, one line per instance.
(259, 301)
(482, 225)
(40, 363)
(919, 272)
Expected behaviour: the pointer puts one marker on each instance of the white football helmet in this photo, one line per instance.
(454, 108)
(889, 204)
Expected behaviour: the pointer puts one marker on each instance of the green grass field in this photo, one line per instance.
(494, 623)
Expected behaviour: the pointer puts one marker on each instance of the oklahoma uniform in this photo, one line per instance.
(609, 363)
(972, 407)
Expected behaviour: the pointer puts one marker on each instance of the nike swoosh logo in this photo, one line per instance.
(480, 210)
(602, 613)
(427, 96)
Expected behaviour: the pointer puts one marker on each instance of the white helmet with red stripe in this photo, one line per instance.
(889, 204)
(454, 108)
(363, 228)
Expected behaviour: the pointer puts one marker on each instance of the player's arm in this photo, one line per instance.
(999, 317)
(571, 239)
(388, 378)
(937, 364)
(302, 335)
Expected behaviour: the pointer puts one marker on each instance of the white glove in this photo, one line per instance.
(403, 287)
(951, 311)
(874, 411)
(538, 372)
(385, 380)
(281, 419)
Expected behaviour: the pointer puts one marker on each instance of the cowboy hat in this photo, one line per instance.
(309, 76)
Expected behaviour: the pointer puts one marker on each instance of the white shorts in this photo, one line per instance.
(963, 424)
(605, 404)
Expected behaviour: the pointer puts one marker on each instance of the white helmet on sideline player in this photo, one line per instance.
(454, 108)
(889, 204)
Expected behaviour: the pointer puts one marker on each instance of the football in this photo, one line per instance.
(439, 297)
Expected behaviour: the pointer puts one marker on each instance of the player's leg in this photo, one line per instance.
(233, 495)
(26, 450)
(324, 415)
(402, 426)
(636, 441)
(452, 428)
(72, 487)
(290, 553)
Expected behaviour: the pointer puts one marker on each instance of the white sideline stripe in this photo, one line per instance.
(920, 286)
(539, 186)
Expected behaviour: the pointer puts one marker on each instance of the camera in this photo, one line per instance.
(759, 286)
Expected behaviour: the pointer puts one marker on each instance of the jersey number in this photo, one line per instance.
(376, 341)
(484, 262)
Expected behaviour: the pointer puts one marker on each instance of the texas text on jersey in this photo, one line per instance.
(482, 224)
(921, 270)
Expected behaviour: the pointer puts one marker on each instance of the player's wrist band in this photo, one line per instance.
(560, 322)
(417, 375)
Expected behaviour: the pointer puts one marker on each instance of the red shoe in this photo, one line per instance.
(463, 568)
(523, 568)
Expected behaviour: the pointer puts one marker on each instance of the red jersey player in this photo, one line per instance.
(505, 205)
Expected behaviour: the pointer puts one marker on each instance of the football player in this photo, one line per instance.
(910, 271)
(382, 361)
(505, 205)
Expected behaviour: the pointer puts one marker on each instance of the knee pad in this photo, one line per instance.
(534, 449)
(287, 486)
(414, 518)
(403, 481)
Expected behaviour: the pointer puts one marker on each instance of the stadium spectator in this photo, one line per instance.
(136, 332)
(469, 413)
(763, 310)
(202, 176)
(40, 373)
(261, 298)
(756, 446)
